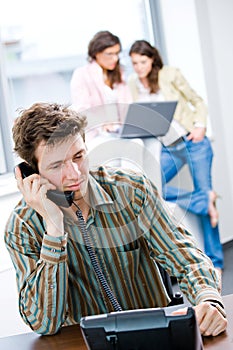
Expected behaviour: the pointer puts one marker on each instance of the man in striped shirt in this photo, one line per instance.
(68, 267)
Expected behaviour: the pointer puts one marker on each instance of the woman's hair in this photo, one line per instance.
(49, 122)
(144, 48)
(101, 41)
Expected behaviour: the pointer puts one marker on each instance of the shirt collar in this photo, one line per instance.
(100, 200)
(97, 195)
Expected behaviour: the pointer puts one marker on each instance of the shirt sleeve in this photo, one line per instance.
(176, 249)
(41, 268)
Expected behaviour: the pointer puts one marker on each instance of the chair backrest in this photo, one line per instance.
(177, 297)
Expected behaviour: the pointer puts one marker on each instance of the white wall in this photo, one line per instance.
(216, 29)
(182, 41)
(198, 40)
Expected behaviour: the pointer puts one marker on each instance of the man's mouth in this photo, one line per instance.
(74, 187)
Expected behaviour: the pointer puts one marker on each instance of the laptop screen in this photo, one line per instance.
(142, 329)
(148, 119)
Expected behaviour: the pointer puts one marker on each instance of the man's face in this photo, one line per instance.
(65, 165)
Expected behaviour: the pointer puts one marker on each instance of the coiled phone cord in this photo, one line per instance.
(95, 264)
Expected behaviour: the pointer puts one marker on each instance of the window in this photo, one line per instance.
(44, 41)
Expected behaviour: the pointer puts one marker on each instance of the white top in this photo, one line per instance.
(144, 94)
(110, 94)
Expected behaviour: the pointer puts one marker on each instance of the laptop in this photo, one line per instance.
(142, 329)
(147, 119)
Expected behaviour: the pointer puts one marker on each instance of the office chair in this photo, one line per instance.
(177, 297)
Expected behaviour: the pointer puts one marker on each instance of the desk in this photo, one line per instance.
(70, 338)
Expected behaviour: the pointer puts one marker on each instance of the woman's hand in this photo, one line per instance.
(197, 134)
(34, 190)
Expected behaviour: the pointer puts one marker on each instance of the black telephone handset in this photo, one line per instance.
(62, 199)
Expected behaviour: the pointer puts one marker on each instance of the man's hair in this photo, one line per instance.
(48, 122)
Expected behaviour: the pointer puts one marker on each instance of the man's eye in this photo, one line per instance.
(55, 166)
(78, 156)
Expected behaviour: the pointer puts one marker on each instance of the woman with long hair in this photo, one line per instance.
(186, 141)
(101, 81)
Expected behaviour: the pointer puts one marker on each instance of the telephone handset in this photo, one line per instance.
(63, 199)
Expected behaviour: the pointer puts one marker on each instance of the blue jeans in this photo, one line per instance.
(198, 156)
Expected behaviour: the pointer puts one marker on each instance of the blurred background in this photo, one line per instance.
(42, 42)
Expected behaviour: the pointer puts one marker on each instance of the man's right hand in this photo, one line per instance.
(34, 189)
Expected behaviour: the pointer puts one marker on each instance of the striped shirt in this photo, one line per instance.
(130, 230)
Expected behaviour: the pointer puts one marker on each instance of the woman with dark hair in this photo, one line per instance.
(101, 80)
(185, 142)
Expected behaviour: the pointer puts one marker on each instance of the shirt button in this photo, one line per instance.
(63, 249)
(53, 250)
(51, 286)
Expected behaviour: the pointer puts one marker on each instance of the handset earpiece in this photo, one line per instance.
(62, 199)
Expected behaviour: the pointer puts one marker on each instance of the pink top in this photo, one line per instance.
(89, 90)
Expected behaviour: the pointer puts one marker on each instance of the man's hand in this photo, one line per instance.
(197, 134)
(209, 318)
(34, 189)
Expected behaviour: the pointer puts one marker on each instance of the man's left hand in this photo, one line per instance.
(210, 320)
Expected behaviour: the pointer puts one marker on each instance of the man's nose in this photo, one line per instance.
(72, 170)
